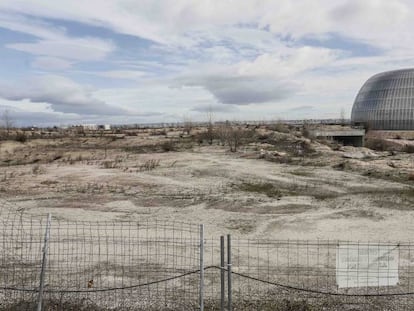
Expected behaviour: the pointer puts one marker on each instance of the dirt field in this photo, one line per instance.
(264, 190)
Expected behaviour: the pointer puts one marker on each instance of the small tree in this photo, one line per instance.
(6, 122)
(210, 125)
(234, 137)
(342, 117)
(223, 132)
(305, 129)
(187, 125)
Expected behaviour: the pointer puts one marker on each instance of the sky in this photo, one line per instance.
(145, 61)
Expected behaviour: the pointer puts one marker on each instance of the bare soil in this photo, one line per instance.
(280, 186)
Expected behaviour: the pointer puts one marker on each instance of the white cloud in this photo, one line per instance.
(53, 43)
(77, 49)
(228, 52)
(63, 95)
(244, 90)
(32, 26)
(173, 21)
(267, 78)
(289, 61)
(215, 108)
(51, 63)
(149, 98)
(122, 74)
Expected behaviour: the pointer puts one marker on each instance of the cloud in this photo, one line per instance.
(28, 117)
(216, 108)
(381, 14)
(247, 90)
(157, 96)
(290, 61)
(122, 74)
(63, 95)
(160, 21)
(77, 49)
(32, 26)
(305, 108)
(267, 78)
(240, 56)
(173, 22)
(51, 63)
(53, 43)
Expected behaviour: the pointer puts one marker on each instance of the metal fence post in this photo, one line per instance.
(44, 262)
(201, 268)
(222, 286)
(229, 307)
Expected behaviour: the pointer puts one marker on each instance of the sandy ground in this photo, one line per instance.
(239, 193)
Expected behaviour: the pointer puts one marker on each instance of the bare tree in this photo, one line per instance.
(223, 131)
(231, 135)
(7, 122)
(187, 125)
(210, 125)
(306, 129)
(342, 117)
(234, 137)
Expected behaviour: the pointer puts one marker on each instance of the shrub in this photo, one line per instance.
(149, 165)
(265, 188)
(168, 146)
(378, 144)
(37, 169)
(303, 148)
(280, 127)
(109, 164)
(21, 137)
(409, 148)
(341, 165)
(305, 130)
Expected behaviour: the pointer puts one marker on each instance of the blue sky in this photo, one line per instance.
(125, 61)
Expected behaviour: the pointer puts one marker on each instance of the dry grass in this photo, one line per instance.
(206, 184)
(265, 188)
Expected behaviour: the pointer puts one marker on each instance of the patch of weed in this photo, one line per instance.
(302, 172)
(265, 188)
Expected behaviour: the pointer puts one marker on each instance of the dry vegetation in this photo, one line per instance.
(255, 181)
(271, 182)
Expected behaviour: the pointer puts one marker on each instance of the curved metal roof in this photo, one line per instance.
(386, 101)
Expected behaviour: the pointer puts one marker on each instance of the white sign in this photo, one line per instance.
(366, 265)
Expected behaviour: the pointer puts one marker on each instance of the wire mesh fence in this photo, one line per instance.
(316, 275)
(152, 265)
(145, 265)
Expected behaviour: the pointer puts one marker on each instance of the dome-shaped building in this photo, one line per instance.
(386, 101)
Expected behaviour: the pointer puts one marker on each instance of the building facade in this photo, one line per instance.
(386, 101)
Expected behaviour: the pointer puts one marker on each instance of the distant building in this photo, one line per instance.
(105, 127)
(92, 127)
(386, 101)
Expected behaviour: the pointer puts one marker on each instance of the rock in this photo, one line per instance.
(354, 155)
(279, 154)
(358, 153)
